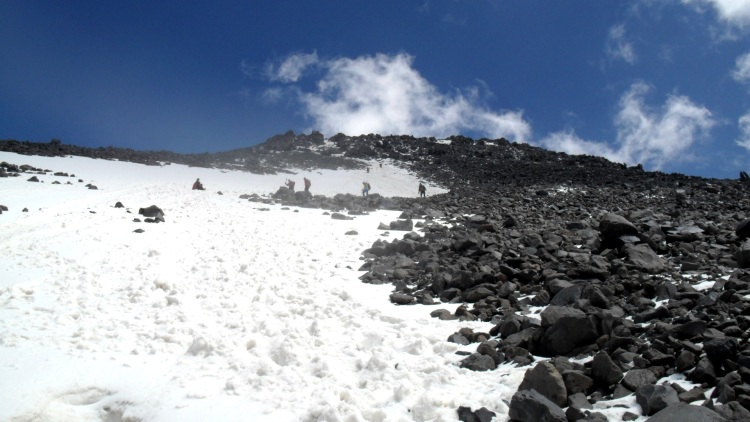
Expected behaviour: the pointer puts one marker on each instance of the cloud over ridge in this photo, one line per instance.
(645, 135)
(384, 94)
(292, 67)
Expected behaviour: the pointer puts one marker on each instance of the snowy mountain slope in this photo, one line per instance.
(238, 310)
(226, 311)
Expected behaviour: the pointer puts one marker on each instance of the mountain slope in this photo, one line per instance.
(567, 256)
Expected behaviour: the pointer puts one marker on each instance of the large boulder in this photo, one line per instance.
(613, 226)
(604, 370)
(642, 258)
(742, 230)
(477, 362)
(743, 254)
(405, 225)
(547, 381)
(565, 329)
(653, 398)
(284, 194)
(481, 415)
(530, 406)
(720, 349)
(152, 212)
(302, 196)
(683, 412)
(636, 378)
(733, 411)
(339, 216)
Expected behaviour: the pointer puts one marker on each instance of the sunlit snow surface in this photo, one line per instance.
(226, 312)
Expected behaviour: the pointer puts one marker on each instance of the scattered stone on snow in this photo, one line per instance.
(339, 216)
(154, 213)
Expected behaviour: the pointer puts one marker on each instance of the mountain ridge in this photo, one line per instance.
(492, 160)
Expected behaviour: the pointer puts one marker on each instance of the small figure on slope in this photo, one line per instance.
(198, 185)
(365, 189)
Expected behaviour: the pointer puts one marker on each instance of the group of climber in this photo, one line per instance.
(422, 190)
(290, 184)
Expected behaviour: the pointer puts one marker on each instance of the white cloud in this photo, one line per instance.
(741, 71)
(735, 13)
(656, 137)
(666, 54)
(744, 126)
(618, 48)
(567, 141)
(384, 94)
(645, 135)
(292, 67)
(273, 95)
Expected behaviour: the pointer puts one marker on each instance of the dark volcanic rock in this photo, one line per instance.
(477, 362)
(636, 378)
(613, 226)
(743, 229)
(481, 415)
(545, 380)
(644, 259)
(604, 370)
(565, 329)
(686, 413)
(653, 398)
(530, 406)
(152, 212)
(339, 216)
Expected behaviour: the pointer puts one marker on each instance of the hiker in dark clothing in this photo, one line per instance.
(422, 190)
(307, 184)
(290, 184)
(365, 189)
(198, 185)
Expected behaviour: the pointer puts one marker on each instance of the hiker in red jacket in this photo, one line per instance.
(198, 185)
(307, 184)
(290, 184)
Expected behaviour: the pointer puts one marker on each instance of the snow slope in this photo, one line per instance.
(224, 308)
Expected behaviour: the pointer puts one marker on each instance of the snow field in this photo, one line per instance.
(224, 312)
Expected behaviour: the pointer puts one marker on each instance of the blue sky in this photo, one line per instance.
(662, 83)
